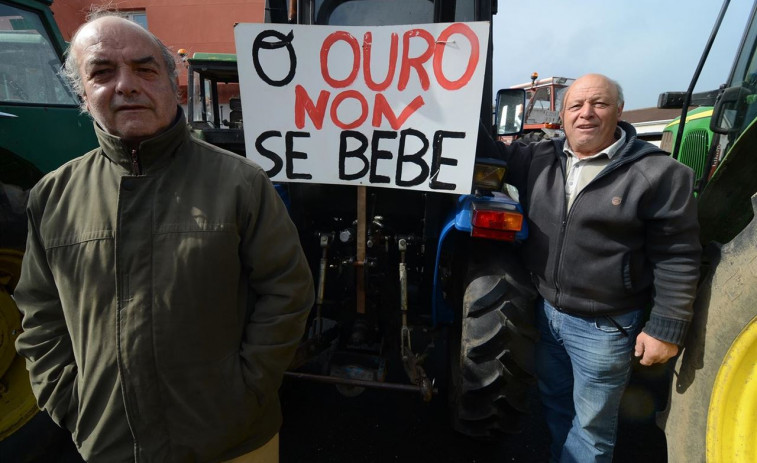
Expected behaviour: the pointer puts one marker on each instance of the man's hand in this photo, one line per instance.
(652, 350)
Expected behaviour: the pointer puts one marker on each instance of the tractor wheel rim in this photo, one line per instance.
(731, 420)
(10, 319)
(17, 403)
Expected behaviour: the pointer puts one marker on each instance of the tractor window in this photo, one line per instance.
(559, 95)
(746, 67)
(213, 100)
(205, 109)
(465, 11)
(372, 12)
(737, 105)
(198, 100)
(28, 64)
(540, 106)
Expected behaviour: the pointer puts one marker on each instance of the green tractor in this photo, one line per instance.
(41, 127)
(213, 83)
(697, 139)
(711, 413)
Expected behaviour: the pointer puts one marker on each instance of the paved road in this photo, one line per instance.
(385, 426)
(321, 425)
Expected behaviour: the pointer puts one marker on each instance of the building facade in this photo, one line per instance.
(191, 25)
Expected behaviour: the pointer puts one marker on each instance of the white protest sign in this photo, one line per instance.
(384, 106)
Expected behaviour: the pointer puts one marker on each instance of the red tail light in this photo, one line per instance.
(496, 224)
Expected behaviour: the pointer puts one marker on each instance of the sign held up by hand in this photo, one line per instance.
(385, 106)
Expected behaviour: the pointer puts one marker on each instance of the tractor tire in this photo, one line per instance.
(711, 415)
(492, 356)
(12, 216)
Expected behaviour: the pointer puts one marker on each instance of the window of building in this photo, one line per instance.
(138, 16)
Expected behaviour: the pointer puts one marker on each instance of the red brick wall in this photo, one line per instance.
(194, 25)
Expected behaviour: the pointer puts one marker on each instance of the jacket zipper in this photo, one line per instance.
(136, 170)
(563, 225)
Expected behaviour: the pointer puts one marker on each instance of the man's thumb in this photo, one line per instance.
(639, 349)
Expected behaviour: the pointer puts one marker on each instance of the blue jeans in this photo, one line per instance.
(583, 365)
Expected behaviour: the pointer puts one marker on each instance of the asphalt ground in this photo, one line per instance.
(323, 426)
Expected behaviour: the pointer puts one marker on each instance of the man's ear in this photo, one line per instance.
(620, 109)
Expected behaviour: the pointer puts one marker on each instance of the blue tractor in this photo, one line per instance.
(416, 290)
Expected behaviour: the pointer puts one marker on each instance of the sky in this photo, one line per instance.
(648, 46)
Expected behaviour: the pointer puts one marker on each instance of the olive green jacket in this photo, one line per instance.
(163, 292)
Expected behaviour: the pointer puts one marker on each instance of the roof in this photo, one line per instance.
(546, 81)
(227, 57)
(650, 114)
(217, 66)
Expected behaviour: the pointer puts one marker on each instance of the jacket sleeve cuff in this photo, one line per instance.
(667, 329)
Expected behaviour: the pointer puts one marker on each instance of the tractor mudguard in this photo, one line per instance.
(462, 222)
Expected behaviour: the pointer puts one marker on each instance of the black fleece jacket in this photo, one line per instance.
(630, 239)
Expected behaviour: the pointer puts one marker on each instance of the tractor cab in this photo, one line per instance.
(214, 110)
(544, 98)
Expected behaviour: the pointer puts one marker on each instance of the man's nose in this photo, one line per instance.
(587, 110)
(126, 81)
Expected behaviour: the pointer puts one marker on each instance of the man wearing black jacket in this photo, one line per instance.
(613, 237)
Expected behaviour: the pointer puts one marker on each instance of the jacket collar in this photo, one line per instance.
(624, 153)
(633, 148)
(152, 153)
(610, 151)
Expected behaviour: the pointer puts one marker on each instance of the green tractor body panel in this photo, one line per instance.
(41, 124)
(725, 205)
(67, 134)
(727, 172)
(697, 138)
(41, 128)
(716, 375)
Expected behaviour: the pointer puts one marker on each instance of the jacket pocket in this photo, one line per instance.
(209, 406)
(627, 272)
(629, 322)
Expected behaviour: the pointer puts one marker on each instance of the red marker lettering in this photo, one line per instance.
(303, 104)
(326, 47)
(417, 62)
(457, 28)
(363, 109)
(367, 45)
(381, 108)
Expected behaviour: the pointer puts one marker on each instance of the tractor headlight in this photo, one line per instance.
(489, 174)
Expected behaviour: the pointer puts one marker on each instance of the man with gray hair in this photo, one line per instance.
(613, 250)
(163, 290)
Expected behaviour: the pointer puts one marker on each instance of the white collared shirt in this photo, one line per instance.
(579, 172)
